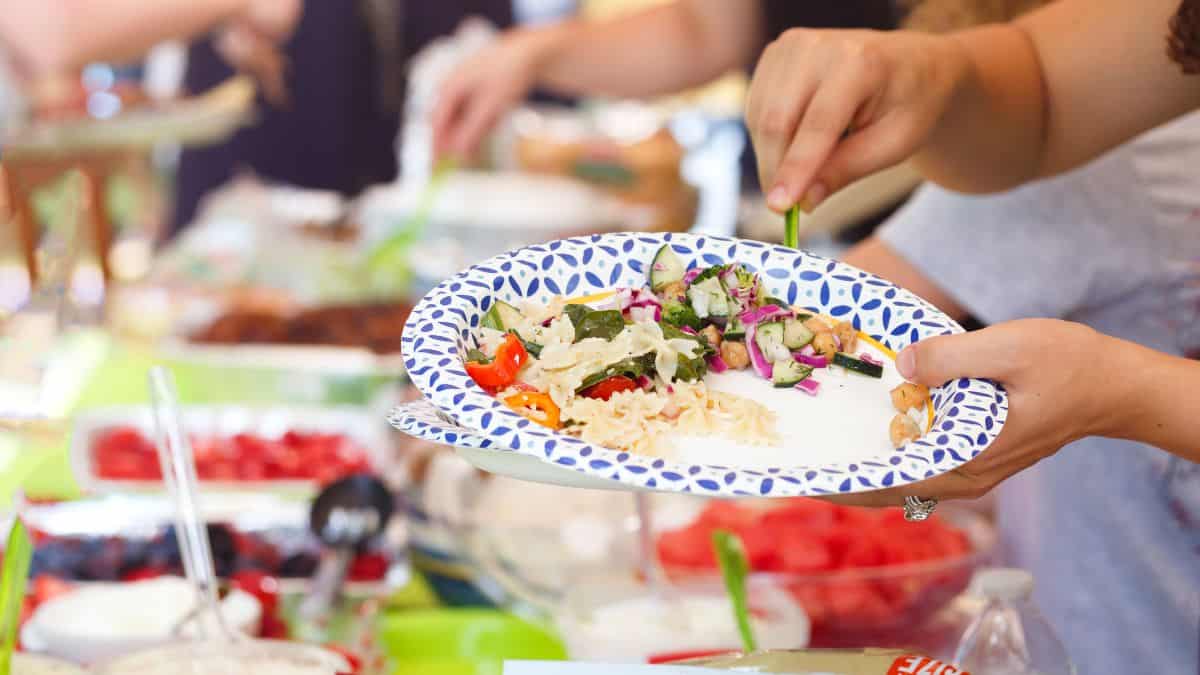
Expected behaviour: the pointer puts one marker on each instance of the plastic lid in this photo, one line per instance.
(1002, 583)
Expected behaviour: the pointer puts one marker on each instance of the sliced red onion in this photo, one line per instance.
(809, 386)
(717, 364)
(760, 363)
(645, 314)
(729, 277)
(688, 329)
(763, 313)
(547, 322)
(690, 275)
(644, 298)
(870, 359)
(624, 298)
(645, 382)
(813, 361)
(808, 350)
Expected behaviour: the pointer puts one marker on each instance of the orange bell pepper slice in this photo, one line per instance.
(537, 407)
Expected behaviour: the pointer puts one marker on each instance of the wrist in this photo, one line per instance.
(1125, 401)
(547, 44)
(957, 68)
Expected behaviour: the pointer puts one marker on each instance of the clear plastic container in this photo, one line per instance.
(1010, 636)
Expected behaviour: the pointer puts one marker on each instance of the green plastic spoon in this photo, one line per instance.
(386, 265)
(791, 228)
(731, 556)
(17, 556)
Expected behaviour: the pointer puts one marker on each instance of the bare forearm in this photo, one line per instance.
(1160, 400)
(991, 136)
(661, 50)
(875, 256)
(53, 36)
(1054, 90)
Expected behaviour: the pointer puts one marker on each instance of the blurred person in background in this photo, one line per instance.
(662, 50)
(334, 126)
(1110, 526)
(40, 40)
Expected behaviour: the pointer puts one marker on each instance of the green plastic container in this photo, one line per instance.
(462, 641)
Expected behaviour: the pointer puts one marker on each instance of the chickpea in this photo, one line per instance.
(817, 325)
(846, 335)
(903, 429)
(713, 336)
(909, 395)
(675, 290)
(735, 355)
(825, 345)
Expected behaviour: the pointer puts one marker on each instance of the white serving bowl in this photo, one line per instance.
(98, 622)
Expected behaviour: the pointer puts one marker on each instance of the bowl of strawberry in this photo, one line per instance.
(295, 451)
(864, 576)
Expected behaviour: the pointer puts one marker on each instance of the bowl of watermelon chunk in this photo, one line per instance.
(864, 576)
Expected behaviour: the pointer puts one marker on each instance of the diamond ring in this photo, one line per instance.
(917, 509)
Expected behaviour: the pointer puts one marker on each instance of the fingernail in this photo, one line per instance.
(779, 199)
(906, 363)
(813, 198)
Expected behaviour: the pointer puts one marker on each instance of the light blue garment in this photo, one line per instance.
(1110, 529)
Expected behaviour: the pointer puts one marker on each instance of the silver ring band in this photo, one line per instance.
(917, 509)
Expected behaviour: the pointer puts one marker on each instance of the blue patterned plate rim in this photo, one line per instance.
(968, 413)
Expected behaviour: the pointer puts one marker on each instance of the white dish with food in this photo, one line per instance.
(689, 364)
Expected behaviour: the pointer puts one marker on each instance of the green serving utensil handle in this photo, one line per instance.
(414, 225)
(17, 556)
(731, 556)
(791, 228)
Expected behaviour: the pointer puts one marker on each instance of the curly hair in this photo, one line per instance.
(1183, 43)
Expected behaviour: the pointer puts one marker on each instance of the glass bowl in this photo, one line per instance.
(879, 605)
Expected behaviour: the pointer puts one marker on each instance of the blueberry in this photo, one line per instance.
(298, 566)
(56, 558)
(224, 549)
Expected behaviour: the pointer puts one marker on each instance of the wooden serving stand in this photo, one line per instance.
(22, 176)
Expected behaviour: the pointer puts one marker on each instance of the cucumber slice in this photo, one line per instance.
(734, 330)
(503, 317)
(708, 298)
(769, 337)
(795, 334)
(710, 273)
(788, 373)
(858, 365)
(666, 269)
(680, 314)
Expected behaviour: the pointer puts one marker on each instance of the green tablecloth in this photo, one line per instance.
(115, 375)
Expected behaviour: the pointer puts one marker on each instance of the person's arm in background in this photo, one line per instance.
(663, 49)
(45, 37)
(1052, 90)
(875, 256)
